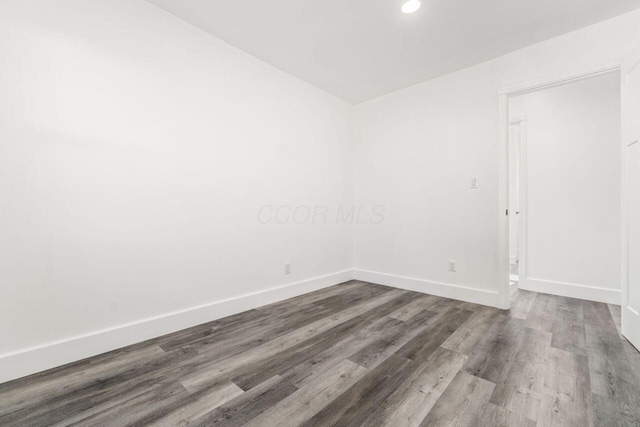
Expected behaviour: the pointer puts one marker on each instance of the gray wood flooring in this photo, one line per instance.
(356, 354)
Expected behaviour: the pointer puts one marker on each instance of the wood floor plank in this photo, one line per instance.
(419, 304)
(604, 350)
(460, 402)
(393, 339)
(469, 306)
(269, 316)
(611, 414)
(616, 314)
(514, 358)
(356, 354)
(494, 349)
(495, 416)
(313, 297)
(355, 405)
(309, 400)
(410, 403)
(54, 414)
(248, 405)
(352, 296)
(237, 323)
(152, 372)
(259, 323)
(116, 393)
(633, 356)
(223, 345)
(616, 392)
(423, 345)
(543, 313)
(467, 336)
(133, 410)
(189, 409)
(568, 327)
(320, 362)
(442, 304)
(521, 304)
(519, 388)
(211, 371)
(37, 396)
(254, 373)
(120, 402)
(567, 400)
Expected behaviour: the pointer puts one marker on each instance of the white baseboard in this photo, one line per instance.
(36, 359)
(447, 290)
(572, 290)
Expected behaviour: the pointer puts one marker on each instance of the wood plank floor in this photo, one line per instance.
(356, 354)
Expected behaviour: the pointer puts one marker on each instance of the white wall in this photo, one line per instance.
(573, 185)
(417, 148)
(135, 154)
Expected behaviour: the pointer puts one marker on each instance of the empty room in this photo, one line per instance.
(332, 213)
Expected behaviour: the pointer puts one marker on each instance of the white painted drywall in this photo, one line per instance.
(573, 182)
(417, 148)
(135, 154)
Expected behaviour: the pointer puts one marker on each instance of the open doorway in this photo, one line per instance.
(564, 197)
(517, 182)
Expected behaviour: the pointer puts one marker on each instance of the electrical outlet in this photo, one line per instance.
(453, 265)
(287, 269)
(474, 182)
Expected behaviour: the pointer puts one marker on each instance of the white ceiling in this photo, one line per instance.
(361, 49)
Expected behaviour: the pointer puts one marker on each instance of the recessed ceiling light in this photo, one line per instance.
(411, 6)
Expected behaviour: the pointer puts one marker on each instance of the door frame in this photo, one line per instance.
(504, 300)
